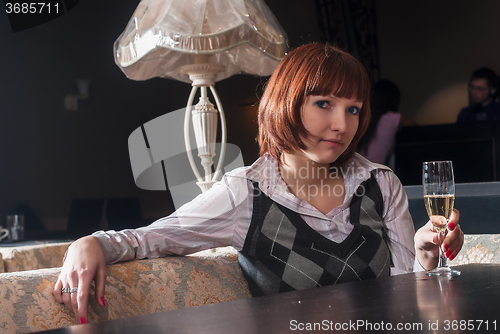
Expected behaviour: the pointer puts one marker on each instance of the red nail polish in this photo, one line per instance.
(451, 226)
(448, 254)
(446, 247)
(82, 320)
(102, 301)
(452, 257)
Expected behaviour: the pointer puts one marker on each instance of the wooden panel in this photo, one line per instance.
(473, 148)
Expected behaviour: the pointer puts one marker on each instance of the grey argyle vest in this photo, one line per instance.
(282, 253)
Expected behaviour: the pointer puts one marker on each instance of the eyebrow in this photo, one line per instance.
(336, 97)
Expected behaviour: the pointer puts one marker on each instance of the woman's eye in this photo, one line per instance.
(322, 104)
(353, 110)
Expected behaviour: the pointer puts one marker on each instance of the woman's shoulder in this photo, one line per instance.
(391, 188)
(382, 173)
(264, 167)
(359, 161)
(239, 181)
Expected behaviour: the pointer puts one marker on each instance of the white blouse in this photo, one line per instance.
(221, 216)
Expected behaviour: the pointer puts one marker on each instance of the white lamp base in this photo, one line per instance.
(204, 119)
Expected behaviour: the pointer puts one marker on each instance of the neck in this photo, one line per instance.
(298, 170)
(292, 166)
(313, 182)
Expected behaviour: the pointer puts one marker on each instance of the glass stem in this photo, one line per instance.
(442, 257)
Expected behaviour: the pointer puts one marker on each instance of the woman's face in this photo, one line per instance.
(332, 123)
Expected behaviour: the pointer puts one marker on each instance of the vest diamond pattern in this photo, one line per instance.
(282, 253)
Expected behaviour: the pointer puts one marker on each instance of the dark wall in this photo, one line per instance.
(53, 154)
(50, 155)
(474, 150)
(430, 48)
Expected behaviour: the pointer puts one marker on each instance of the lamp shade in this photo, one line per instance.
(163, 35)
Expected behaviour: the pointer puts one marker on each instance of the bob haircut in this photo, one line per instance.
(312, 69)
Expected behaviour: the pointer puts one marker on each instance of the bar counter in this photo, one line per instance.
(405, 303)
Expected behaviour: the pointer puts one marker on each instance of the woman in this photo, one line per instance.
(309, 212)
(379, 139)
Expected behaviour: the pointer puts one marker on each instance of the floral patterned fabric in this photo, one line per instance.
(132, 288)
(32, 257)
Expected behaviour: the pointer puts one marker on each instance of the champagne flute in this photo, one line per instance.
(439, 195)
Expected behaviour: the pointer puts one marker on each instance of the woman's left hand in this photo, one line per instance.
(427, 242)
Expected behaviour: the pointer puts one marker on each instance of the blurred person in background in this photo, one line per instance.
(377, 145)
(483, 97)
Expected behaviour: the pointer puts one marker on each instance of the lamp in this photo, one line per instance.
(201, 42)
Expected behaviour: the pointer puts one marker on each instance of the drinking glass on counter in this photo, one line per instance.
(15, 225)
(4, 233)
(439, 196)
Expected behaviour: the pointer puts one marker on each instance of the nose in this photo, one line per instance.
(338, 121)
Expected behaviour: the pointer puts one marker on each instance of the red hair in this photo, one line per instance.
(312, 69)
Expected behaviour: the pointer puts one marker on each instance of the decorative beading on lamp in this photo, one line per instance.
(201, 42)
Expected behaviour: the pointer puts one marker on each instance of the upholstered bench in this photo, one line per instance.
(32, 255)
(132, 288)
(478, 248)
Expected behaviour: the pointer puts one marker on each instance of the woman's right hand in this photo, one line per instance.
(84, 263)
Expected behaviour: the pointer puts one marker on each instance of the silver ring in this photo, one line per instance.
(65, 290)
(73, 290)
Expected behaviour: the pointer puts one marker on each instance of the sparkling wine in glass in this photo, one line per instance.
(439, 195)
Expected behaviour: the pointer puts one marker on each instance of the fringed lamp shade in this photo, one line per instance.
(162, 36)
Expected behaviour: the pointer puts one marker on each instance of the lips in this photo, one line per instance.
(333, 142)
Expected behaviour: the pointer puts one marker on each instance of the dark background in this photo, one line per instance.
(49, 155)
